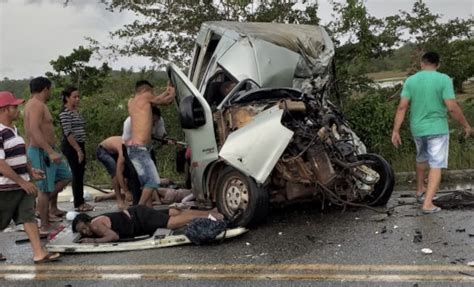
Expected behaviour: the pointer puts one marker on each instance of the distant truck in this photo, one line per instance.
(255, 112)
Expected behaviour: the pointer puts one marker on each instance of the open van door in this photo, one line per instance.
(196, 120)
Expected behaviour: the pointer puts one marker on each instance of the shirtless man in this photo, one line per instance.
(158, 127)
(109, 153)
(42, 154)
(138, 147)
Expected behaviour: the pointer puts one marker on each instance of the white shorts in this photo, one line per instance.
(433, 149)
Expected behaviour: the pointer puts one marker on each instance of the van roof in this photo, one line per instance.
(311, 38)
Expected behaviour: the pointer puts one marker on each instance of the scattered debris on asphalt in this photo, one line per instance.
(418, 237)
(470, 263)
(378, 217)
(455, 199)
(426, 251)
(311, 238)
(461, 230)
(458, 260)
(406, 201)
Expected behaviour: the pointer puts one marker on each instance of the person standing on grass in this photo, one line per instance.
(73, 145)
(17, 193)
(43, 154)
(430, 95)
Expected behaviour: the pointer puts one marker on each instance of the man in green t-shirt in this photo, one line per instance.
(430, 95)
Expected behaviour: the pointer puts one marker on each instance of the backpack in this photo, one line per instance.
(204, 230)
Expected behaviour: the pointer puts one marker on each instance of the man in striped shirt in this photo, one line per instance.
(17, 194)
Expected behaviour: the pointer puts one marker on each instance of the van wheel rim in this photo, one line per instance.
(236, 195)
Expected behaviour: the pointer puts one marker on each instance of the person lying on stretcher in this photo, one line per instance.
(134, 221)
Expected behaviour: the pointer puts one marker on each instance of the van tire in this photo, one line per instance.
(237, 191)
(384, 188)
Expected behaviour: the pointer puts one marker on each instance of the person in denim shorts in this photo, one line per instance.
(109, 153)
(430, 95)
(138, 147)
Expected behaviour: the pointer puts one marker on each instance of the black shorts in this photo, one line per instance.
(16, 205)
(147, 220)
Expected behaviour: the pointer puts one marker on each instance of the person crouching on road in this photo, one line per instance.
(109, 153)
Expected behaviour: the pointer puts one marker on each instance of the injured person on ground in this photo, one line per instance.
(133, 222)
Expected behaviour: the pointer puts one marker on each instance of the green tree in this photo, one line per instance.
(167, 29)
(452, 40)
(359, 38)
(20, 88)
(74, 70)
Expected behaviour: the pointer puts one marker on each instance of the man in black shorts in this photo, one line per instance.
(17, 193)
(135, 221)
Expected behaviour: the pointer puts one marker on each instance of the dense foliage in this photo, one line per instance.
(371, 117)
(166, 29)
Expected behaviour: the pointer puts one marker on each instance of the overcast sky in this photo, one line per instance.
(33, 32)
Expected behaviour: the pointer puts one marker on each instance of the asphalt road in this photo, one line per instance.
(301, 245)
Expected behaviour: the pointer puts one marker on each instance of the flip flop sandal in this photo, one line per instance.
(431, 211)
(55, 219)
(421, 198)
(85, 208)
(62, 213)
(44, 233)
(48, 258)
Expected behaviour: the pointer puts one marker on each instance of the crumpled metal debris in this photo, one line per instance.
(455, 199)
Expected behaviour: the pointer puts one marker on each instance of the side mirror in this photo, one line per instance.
(191, 113)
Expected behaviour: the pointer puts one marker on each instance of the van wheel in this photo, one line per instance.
(238, 193)
(384, 187)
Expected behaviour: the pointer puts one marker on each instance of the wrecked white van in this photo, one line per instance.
(255, 112)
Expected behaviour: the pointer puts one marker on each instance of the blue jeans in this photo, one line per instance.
(145, 167)
(107, 159)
